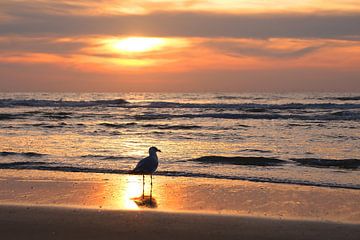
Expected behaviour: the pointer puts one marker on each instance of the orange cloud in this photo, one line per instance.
(99, 54)
(109, 7)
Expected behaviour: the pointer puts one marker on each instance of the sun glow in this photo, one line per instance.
(138, 44)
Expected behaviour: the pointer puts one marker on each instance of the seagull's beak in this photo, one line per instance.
(158, 150)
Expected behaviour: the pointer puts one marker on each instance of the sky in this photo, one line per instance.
(180, 45)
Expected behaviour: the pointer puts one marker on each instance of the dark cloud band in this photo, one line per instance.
(185, 24)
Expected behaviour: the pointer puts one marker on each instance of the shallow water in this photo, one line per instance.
(102, 132)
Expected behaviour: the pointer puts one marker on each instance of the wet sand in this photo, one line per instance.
(30, 222)
(53, 205)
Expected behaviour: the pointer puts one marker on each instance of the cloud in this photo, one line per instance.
(106, 7)
(188, 24)
(40, 45)
(273, 48)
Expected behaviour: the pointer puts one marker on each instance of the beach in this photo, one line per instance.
(20, 222)
(53, 205)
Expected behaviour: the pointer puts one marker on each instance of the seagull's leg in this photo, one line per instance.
(143, 185)
(151, 188)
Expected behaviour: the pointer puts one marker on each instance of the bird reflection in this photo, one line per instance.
(145, 201)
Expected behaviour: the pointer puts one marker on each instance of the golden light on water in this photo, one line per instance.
(138, 44)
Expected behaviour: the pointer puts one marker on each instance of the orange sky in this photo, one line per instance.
(187, 45)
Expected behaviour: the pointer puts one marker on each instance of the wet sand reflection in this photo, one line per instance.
(111, 191)
(135, 196)
(145, 201)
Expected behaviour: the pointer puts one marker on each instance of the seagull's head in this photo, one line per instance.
(153, 150)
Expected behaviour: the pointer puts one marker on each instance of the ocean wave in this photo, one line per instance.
(57, 115)
(350, 98)
(60, 103)
(326, 163)
(171, 127)
(348, 115)
(344, 113)
(9, 116)
(154, 116)
(48, 167)
(224, 97)
(264, 161)
(254, 161)
(157, 126)
(118, 125)
(43, 125)
(51, 167)
(21, 165)
(207, 115)
(102, 157)
(253, 106)
(255, 150)
(256, 110)
(229, 97)
(24, 154)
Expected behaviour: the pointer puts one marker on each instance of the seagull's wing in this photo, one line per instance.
(143, 166)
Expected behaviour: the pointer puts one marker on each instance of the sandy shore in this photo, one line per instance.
(30, 222)
(53, 205)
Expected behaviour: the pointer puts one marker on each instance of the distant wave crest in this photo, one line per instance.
(339, 115)
(24, 154)
(59, 103)
(350, 98)
(252, 106)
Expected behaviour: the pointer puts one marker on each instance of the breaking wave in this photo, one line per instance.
(265, 161)
(256, 161)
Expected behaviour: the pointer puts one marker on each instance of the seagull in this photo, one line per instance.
(148, 165)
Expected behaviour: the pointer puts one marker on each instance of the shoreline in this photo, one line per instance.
(9, 166)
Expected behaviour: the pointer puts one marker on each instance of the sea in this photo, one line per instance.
(308, 139)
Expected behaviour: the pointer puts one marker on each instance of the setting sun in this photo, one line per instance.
(138, 44)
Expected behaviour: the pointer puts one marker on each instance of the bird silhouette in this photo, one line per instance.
(148, 166)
